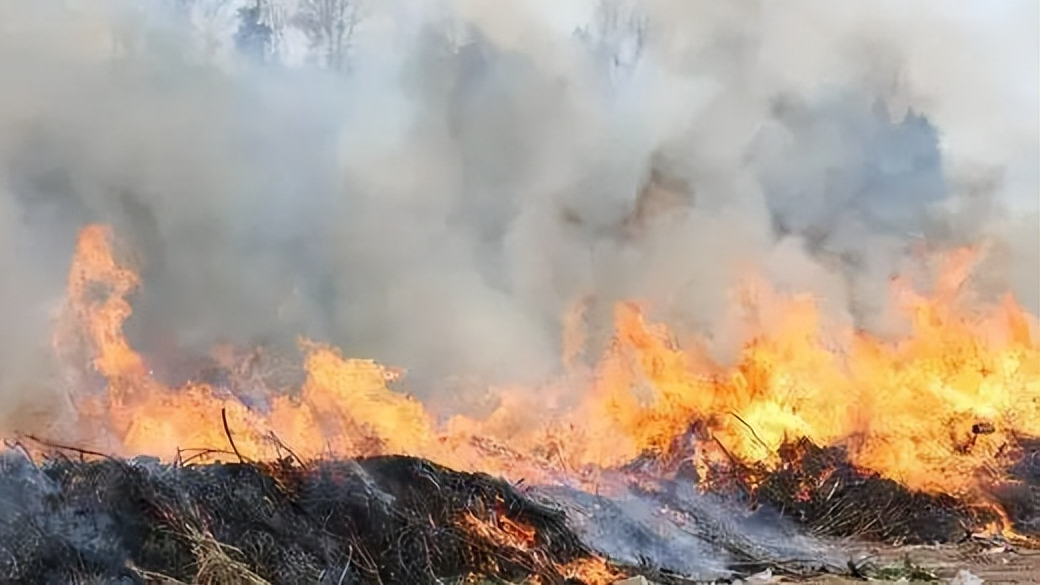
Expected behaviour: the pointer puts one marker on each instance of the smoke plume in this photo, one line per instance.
(481, 166)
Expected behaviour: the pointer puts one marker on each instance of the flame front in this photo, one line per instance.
(910, 410)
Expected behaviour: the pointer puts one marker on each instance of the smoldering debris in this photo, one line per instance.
(402, 519)
(821, 489)
(387, 519)
(379, 520)
(382, 519)
(679, 530)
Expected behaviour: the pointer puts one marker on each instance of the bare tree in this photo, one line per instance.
(275, 15)
(261, 28)
(330, 25)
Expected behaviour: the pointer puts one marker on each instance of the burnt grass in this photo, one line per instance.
(397, 519)
(378, 520)
(819, 488)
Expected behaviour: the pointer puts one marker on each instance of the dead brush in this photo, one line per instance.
(213, 563)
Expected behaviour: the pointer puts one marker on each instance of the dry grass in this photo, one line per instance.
(213, 563)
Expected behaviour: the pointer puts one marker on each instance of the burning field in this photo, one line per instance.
(346, 478)
(669, 296)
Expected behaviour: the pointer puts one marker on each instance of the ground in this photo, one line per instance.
(930, 564)
(991, 563)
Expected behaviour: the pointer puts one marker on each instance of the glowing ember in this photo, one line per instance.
(931, 410)
(512, 534)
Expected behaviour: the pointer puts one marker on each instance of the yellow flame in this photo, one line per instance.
(904, 408)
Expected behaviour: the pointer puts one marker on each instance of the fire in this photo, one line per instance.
(97, 290)
(906, 410)
(930, 410)
(502, 530)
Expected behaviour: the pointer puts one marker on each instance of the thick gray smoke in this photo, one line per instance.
(482, 165)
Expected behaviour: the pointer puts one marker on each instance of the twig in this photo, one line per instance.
(346, 567)
(200, 453)
(21, 450)
(753, 433)
(227, 431)
(79, 450)
(281, 445)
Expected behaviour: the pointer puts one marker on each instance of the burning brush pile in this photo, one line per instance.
(713, 472)
(390, 519)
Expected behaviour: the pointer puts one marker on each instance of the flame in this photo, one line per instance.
(908, 409)
(593, 570)
(502, 530)
(97, 290)
(904, 409)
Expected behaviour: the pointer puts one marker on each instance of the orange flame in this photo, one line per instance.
(97, 290)
(905, 409)
(592, 570)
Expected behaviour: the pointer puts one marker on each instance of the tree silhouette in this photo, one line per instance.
(330, 25)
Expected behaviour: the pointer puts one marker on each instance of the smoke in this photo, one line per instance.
(482, 166)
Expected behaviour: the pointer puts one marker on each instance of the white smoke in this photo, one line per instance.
(478, 168)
